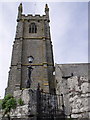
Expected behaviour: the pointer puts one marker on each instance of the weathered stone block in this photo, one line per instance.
(29, 108)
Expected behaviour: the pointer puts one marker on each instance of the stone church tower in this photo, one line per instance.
(32, 39)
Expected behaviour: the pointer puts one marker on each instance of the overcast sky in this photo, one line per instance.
(69, 32)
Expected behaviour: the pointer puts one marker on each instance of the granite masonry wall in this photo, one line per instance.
(22, 112)
(72, 80)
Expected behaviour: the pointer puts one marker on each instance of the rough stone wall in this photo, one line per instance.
(79, 96)
(36, 104)
(29, 98)
(75, 88)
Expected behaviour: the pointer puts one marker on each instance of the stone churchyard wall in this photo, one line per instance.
(36, 104)
(79, 97)
(28, 108)
(72, 80)
(29, 97)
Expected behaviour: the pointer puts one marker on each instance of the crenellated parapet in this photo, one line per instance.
(32, 17)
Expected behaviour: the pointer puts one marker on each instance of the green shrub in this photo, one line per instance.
(20, 101)
(0, 104)
(8, 103)
(5, 100)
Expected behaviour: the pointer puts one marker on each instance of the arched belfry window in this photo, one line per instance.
(32, 28)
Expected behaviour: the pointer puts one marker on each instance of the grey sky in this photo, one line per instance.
(69, 32)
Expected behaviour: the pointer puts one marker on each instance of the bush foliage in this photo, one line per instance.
(20, 102)
(8, 103)
(0, 104)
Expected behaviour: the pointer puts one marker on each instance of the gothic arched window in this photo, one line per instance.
(32, 28)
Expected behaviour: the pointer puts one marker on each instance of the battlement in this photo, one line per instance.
(32, 17)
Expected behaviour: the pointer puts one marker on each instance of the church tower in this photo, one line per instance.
(32, 39)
